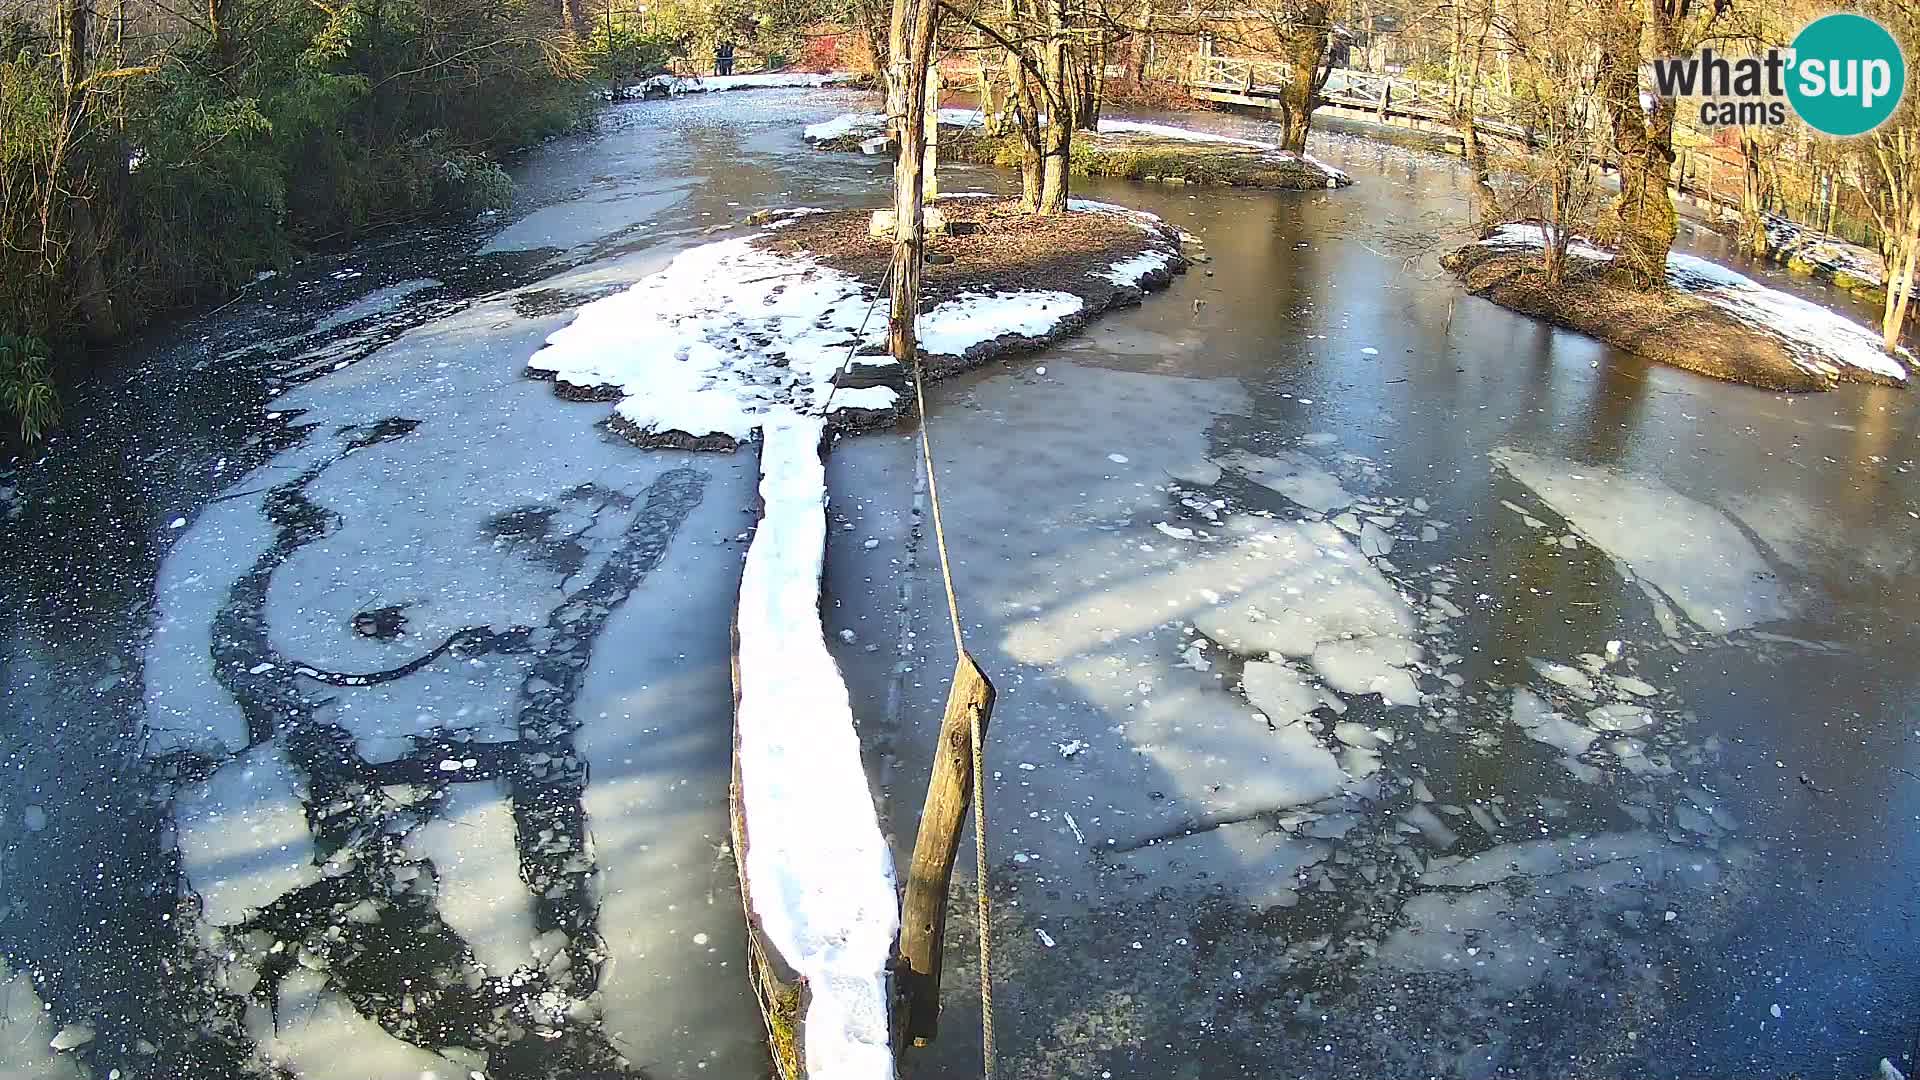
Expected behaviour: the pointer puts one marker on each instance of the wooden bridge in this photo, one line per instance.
(1377, 97)
(1361, 95)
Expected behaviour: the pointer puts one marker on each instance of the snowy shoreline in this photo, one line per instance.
(1710, 319)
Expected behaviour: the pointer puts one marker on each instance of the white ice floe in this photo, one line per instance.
(1679, 552)
(243, 835)
(819, 874)
(30, 1044)
(700, 84)
(481, 896)
(1821, 342)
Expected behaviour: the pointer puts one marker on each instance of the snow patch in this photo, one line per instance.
(702, 84)
(694, 348)
(956, 325)
(1821, 341)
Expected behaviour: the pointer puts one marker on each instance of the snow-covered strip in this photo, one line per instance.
(1821, 338)
(819, 874)
(1823, 341)
(698, 84)
(1516, 234)
(957, 325)
(1799, 245)
(874, 123)
(723, 336)
(1168, 131)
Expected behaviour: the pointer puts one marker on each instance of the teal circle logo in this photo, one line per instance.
(1847, 75)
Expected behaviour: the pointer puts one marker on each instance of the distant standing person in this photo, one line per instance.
(723, 59)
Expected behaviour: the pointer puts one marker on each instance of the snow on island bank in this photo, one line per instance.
(674, 85)
(1709, 319)
(746, 337)
(703, 353)
(1131, 149)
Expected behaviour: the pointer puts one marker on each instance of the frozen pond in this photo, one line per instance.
(1390, 685)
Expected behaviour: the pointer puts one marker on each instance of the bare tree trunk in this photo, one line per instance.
(1303, 43)
(912, 49)
(1900, 281)
(1755, 192)
(1026, 102)
(1058, 145)
(1642, 223)
(930, 127)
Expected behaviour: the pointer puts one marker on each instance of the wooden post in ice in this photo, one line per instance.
(923, 913)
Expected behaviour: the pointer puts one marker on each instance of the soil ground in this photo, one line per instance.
(1666, 326)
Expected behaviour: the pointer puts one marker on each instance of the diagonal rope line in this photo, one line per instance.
(982, 913)
(826, 409)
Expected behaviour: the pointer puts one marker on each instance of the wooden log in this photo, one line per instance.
(783, 995)
(923, 913)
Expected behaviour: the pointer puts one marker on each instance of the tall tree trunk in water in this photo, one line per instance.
(1303, 34)
(1756, 190)
(1900, 279)
(912, 41)
(1057, 147)
(1641, 224)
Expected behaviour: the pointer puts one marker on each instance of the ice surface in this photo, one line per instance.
(1677, 549)
(656, 731)
(1502, 914)
(820, 875)
(1288, 587)
(471, 845)
(186, 707)
(1297, 476)
(243, 835)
